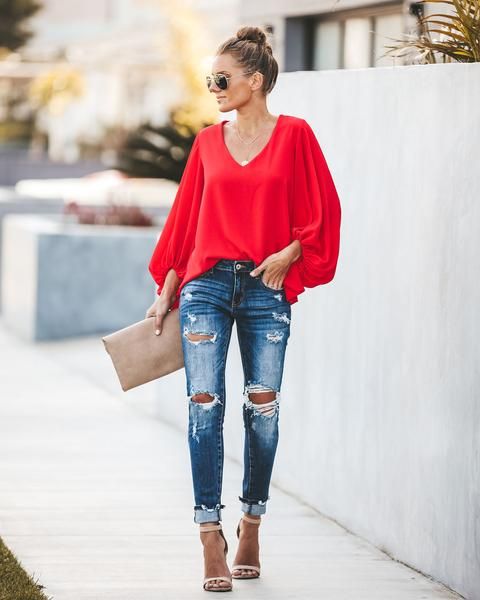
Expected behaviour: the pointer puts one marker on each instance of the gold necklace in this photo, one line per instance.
(244, 162)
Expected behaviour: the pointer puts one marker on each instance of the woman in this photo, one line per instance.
(256, 219)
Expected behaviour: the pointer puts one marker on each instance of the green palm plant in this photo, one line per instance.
(157, 151)
(459, 33)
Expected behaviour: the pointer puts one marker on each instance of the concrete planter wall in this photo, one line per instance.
(61, 279)
(154, 197)
(13, 203)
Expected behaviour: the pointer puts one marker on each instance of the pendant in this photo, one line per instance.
(244, 162)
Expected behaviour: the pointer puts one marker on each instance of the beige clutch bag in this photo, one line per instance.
(139, 355)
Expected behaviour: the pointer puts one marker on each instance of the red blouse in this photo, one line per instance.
(225, 210)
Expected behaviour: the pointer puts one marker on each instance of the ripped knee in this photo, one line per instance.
(262, 397)
(206, 400)
(264, 401)
(203, 398)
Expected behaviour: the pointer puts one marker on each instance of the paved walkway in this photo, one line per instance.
(96, 497)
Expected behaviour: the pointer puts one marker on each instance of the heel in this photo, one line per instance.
(246, 567)
(219, 577)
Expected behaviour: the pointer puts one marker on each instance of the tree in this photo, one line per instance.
(13, 14)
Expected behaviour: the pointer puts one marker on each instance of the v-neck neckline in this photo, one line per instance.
(262, 151)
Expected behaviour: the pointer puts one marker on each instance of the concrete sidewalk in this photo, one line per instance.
(96, 497)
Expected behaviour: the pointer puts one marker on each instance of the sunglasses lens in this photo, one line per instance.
(220, 81)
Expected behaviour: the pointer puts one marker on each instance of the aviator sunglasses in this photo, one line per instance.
(221, 80)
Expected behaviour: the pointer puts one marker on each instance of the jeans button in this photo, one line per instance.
(238, 266)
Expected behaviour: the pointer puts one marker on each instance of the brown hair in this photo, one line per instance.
(253, 52)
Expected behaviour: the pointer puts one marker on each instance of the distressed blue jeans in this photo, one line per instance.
(209, 304)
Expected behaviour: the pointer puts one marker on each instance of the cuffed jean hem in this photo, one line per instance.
(253, 507)
(202, 514)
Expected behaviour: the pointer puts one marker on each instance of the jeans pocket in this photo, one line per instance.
(260, 279)
(206, 273)
(205, 276)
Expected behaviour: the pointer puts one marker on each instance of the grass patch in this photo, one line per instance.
(15, 583)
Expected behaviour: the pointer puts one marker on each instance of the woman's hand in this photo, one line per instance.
(276, 265)
(162, 304)
(159, 310)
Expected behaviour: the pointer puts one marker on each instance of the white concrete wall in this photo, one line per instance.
(380, 418)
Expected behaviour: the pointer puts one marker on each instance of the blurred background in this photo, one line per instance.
(79, 79)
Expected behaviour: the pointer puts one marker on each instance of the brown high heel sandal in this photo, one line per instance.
(250, 567)
(225, 578)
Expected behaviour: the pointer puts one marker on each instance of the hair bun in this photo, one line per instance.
(252, 34)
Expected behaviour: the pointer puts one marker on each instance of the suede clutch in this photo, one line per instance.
(140, 356)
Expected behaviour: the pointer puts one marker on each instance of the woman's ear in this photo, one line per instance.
(258, 80)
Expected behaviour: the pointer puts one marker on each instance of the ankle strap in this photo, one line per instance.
(210, 527)
(250, 520)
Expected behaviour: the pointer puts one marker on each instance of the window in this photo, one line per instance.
(354, 39)
(356, 43)
(328, 37)
(387, 26)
